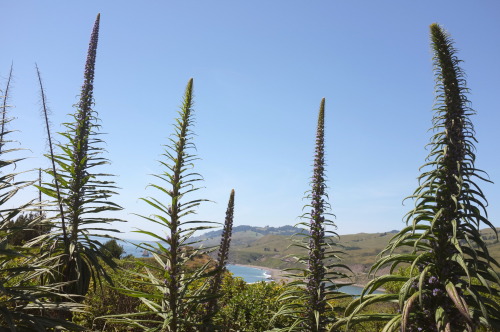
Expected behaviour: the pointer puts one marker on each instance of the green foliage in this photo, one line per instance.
(108, 300)
(22, 302)
(249, 307)
(243, 307)
(27, 227)
(448, 252)
(113, 249)
(393, 287)
(442, 275)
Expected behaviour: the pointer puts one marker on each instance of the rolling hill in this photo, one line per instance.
(270, 247)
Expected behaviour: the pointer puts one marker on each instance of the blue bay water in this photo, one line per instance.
(130, 248)
(355, 290)
(251, 274)
(248, 274)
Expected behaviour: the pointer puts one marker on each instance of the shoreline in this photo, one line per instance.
(278, 275)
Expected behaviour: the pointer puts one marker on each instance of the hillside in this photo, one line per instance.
(270, 247)
(245, 235)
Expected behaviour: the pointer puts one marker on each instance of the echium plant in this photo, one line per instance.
(81, 193)
(312, 292)
(173, 304)
(315, 277)
(21, 300)
(220, 268)
(451, 271)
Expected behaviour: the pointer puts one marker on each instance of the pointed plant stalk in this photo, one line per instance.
(174, 303)
(45, 111)
(316, 275)
(82, 130)
(222, 257)
(4, 106)
(83, 192)
(451, 271)
(315, 285)
(173, 267)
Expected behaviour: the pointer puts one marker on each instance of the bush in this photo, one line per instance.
(113, 249)
(249, 307)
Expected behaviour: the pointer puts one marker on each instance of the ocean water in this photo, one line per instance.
(355, 290)
(130, 248)
(249, 274)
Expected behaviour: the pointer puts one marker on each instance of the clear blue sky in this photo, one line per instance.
(260, 69)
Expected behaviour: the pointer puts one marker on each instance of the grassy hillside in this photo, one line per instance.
(492, 243)
(267, 246)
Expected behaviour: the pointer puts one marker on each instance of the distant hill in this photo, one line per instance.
(270, 246)
(244, 235)
(283, 230)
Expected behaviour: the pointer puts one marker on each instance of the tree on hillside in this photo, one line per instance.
(451, 271)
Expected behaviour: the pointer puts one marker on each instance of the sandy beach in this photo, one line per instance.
(276, 274)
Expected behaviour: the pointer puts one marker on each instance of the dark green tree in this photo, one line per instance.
(113, 249)
(451, 271)
(27, 227)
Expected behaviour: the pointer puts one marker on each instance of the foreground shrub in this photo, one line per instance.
(108, 300)
(249, 307)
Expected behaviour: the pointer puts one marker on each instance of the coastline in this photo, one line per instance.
(276, 274)
(280, 275)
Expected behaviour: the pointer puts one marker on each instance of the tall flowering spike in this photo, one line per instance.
(225, 241)
(173, 297)
(84, 191)
(222, 257)
(451, 269)
(316, 276)
(174, 261)
(315, 284)
(82, 129)
(86, 97)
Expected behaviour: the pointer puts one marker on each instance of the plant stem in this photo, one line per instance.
(52, 160)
